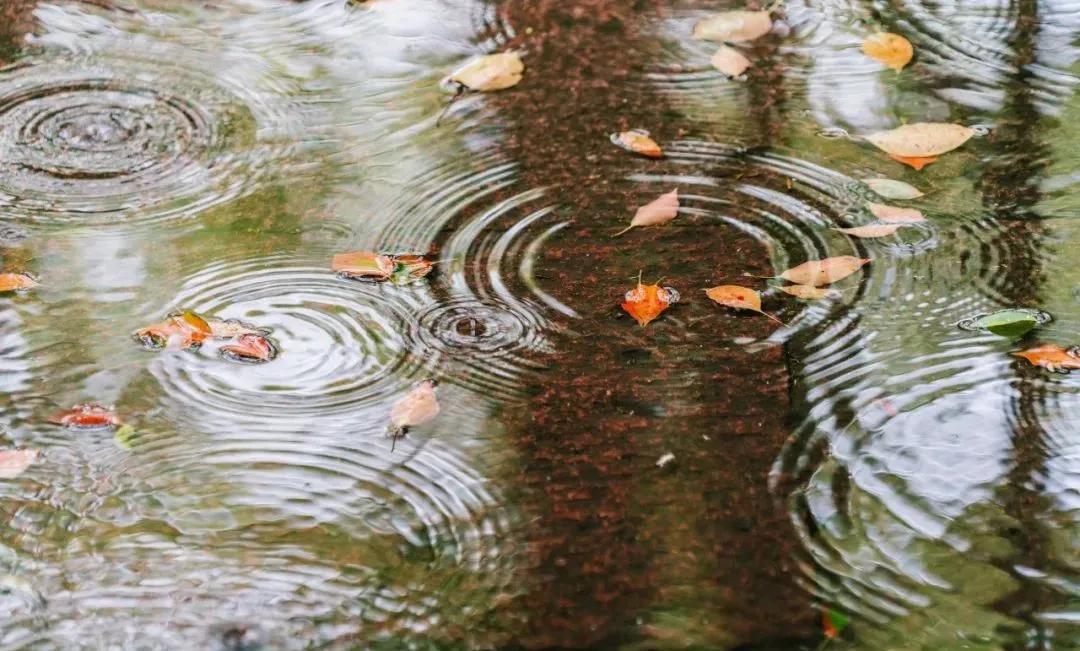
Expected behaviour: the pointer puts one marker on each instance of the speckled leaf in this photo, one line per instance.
(658, 211)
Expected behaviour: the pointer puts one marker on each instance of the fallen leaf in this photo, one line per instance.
(665, 459)
(409, 267)
(740, 298)
(182, 331)
(823, 272)
(416, 408)
(1054, 358)
(363, 264)
(811, 293)
(658, 211)
(88, 416)
(16, 282)
(887, 213)
(734, 26)
(893, 50)
(490, 72)
(870, 230)
(917, 162)
(230, 328)
(891, 189)
(1007, 323)
(126, 437)
(921, 139)
(14, 462)
(646, 302)
(833, 623)
(639, 142)
(729, 61)
(251, 348)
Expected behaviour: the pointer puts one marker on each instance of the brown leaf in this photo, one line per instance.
(646, 302)
(740, 298)
(811, 293)
(639, 142)
(88, 416)
(363, 264)
(658, 211)
(917, 162)
(416, 408)
(887, 213)
(870, 230)
(182, 331)
(14, 282)
(250, 348)
(1054, 358)
(729, 61)
(921, 139)
(823, 272)
(734, 26)
(490, 72)
(893, 50)
(14, 462)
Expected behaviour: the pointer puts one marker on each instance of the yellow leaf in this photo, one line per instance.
(823, 272)
(870, 230)
(10, 282)
(922, 139)
(892, 50)
(740, 298)
(730, 61)
(658, 211)
(810, 293)
(490, 72)
(895, 215)
(734, 26)
(639, 142)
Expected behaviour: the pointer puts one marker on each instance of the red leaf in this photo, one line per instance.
(88, 416)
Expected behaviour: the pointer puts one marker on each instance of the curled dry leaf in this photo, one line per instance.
(823, 272)
(646, 302)
(895, 215)
(740, 298)
(14, 462)
(729, 61)
(363, 264)
(891, 189)
(811, 293)
(250, 348)
(658, 211)
(639, 142)
(16, 282)
(734, 26)
(182, 331)
(416, 408)
(870, 230)
(490, 72)
(917, 162)
(88, 416)
(893, 50)
(1051, 357)
(922, 139)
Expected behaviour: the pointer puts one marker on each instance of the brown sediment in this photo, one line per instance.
(16, 21)
(694, 552)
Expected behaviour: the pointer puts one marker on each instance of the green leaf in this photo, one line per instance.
(1008, 323)
(126, 436)
(838, 620)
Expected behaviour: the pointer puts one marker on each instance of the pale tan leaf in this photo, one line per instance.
(490, 72)
(730, 61)
(893, 50)
(895, 215)
(870, 230)
(921, 139)
(14, 462)
(734, 26)
(738, 297)
(416, 408)
(823, 272)
(810, 293)
(891, 189)
(658, 211)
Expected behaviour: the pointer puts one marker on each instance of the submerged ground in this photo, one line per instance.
(713, 480)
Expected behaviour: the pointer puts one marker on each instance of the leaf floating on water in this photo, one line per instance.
(1013, 322)
(893, 50)
(1051, 357)
(490, 72)
(922, 139)
(416, 408)
(639, 142)
(16, 282)
(729, 61)
(409, 267)
(180, 331)
(231, 328)
(646, 302)
(887, 213)
(126, 437)
(811, 293)
(15, 462)
(250, 348)
(870, 230)
(823, 272)
(833, 623)
(891, 189)
(88, 416)
(363, 264)
(658, 211)
(740, 298)
(916, 162)
(734, 26)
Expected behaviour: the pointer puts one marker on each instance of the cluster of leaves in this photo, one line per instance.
(396, 268)
(189, 330)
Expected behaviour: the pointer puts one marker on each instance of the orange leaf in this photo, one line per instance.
(639, 142)
(918, 162)
(740, 298)
(823, 272)
(363, 264)
(1054, 358)
(185, 330)
(250, 348)
(646, 302)
(88, 416)
(230, 328)
(893, 50)
(13, 282)
(658, 211)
